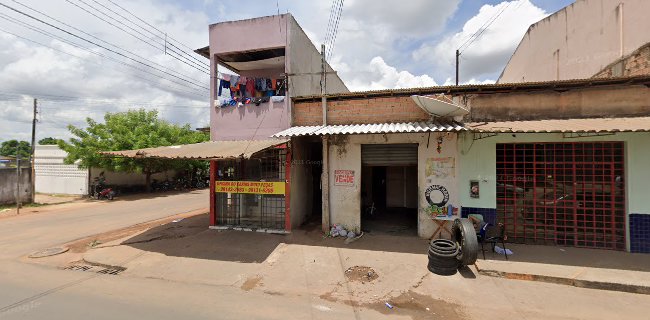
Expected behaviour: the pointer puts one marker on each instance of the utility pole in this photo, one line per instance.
(325, 181)
(33, 188)
(457, 56)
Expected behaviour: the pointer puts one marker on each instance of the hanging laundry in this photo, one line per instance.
(274, 84)
(234, 79)
(250, 87)
(223, 85)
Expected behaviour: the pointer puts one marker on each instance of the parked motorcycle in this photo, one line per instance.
(100, 190)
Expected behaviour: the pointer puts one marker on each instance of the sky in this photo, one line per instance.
(379, 45)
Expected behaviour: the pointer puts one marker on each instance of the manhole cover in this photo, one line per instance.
(48, 252)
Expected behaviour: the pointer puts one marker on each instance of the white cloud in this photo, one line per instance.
(369, 29)
(81, 84)
(489, 53)
(384, 76)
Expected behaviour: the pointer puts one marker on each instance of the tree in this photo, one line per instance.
(14, 148)
(48, 141)
(134, 129)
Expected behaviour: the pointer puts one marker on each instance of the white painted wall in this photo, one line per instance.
(579, 40)
(53, 176)
(345, 201)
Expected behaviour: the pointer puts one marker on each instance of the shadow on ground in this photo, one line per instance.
(190, 238)
(570, 256)
(151, 195)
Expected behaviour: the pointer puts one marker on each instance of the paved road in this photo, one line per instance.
(31, 291)
(63, 223)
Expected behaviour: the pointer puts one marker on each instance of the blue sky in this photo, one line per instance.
(380, 44)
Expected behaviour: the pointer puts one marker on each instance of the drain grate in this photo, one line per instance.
(78, 268)
(97, 269)
(110, 271)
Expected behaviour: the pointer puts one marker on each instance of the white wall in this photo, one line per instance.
(53, 176)
(345, 154)
(579, 41)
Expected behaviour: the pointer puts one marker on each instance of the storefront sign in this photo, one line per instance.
(250, 187)
(344, 178)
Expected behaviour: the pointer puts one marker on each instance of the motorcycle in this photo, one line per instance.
(100, 191)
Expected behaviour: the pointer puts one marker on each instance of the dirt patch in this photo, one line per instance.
(251, 283)
(361, 274)
(420, 307)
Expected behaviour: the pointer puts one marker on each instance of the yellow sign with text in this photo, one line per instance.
(250, 187)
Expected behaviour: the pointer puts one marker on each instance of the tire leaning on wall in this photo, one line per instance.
(464, 235)
(442, 257)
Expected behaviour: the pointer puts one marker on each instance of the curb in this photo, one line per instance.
(588, 284)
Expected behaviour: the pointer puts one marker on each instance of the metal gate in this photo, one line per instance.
(253, 210)
(394, 154)
(562, 193)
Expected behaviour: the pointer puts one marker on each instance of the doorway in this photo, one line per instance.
(389, 189)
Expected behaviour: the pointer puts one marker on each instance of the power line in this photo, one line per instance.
(190, 54)
(101, 55)
(336, 29)
(149, 64)
(145, 22)
(154, 45)
(481, 30)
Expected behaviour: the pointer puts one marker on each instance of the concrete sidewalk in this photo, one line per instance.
(579, 267)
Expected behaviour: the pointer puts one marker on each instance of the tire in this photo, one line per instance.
(442, 257)
(465, 236)
(110, 196)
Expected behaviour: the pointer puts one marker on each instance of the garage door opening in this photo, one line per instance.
(389, 189)
(568, 194)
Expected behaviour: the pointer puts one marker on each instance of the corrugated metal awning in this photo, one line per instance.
(202, 151)
(637, 124)
(440, 125)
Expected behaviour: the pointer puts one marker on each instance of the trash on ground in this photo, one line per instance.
(178, 220)
(388, 305)
(500, 250)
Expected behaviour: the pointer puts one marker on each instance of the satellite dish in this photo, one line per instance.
(439, 108)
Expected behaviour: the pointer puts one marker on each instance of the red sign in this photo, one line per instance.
(344, 178)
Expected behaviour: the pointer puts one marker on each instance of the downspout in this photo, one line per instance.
(325, 174)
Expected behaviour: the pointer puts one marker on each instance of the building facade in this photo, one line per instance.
(579, 41)
(558, 163)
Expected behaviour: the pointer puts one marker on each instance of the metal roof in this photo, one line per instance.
(202, 151)
(558, 85)
(637, 124)
(439, 125)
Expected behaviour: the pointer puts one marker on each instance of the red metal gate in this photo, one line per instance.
(562, 193)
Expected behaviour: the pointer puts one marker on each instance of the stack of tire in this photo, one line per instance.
(446, 256)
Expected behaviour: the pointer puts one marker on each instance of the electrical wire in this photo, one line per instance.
(190, 54)
(197, 93)
(153, 45)
(480, 31)
(125, 55)
(336, 30)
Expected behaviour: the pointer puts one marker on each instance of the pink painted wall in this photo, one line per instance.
(579, 41)
(302, 64)
(249, 122)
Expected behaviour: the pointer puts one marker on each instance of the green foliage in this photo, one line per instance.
(13, 148)
(48, 141)
(134, 129)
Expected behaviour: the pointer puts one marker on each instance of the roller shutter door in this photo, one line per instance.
(389, 154)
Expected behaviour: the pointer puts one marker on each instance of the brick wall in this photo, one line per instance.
(635, 64)
(358, 111)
